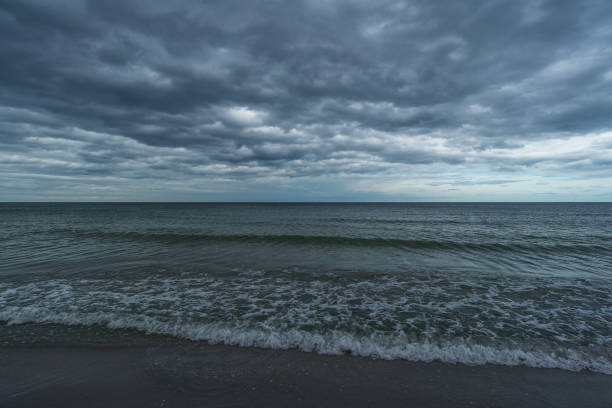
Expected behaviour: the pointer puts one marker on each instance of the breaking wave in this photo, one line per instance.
(563, 325)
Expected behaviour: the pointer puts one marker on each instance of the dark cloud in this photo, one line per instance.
(256, 97)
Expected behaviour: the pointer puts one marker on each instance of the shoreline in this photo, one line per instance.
(196, 374)
(99, 334)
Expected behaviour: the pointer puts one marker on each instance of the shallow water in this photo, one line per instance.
(474, 283)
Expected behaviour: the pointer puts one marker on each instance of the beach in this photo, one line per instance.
(305, 204)
(426, 305)
(198, 374)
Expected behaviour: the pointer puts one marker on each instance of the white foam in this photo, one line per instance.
(334, 342)
(366, 318)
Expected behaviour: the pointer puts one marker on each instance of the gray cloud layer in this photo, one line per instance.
(307, 99)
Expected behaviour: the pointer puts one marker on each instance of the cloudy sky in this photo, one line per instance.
(313, 100)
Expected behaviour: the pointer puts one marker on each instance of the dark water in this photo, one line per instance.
(474, 283)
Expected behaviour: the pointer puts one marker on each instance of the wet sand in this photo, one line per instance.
(197, 375)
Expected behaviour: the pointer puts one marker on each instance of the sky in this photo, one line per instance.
(309, 100)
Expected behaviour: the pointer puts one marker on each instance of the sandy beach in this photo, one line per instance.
(198, 374)
(314, 203)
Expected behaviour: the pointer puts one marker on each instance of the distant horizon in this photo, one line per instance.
(305, 202)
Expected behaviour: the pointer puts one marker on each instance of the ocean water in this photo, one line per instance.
(514, 284)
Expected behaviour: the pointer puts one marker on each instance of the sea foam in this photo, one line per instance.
(334, 342)
(416, 318)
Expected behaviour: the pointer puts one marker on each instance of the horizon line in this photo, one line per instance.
(305, 202)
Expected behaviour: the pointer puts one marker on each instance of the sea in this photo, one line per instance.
(473, 283)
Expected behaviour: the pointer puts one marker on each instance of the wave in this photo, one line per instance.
(328, 240)
(334, 342)
(556, 323)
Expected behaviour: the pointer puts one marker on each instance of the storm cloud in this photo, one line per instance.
(305, 100)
